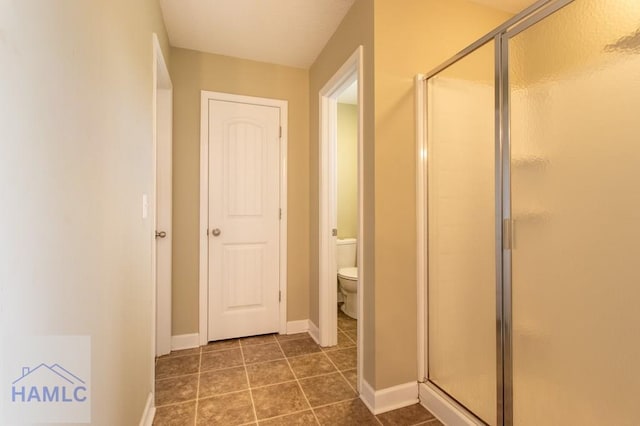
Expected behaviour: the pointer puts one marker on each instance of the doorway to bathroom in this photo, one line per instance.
(341, 236)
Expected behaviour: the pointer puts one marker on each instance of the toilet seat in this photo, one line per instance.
(350, 273)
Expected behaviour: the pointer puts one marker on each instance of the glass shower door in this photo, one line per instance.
(461, 232)
(575, 201)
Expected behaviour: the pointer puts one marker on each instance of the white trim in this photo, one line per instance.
(327, 264)
(185, 341)
(162, 133)
(445, 409)
(368, 396)
(389, 399)
(204, 198)
(300, 326)
(314, 332)
(349, 72)
(284, 219)
(149, 412)
(421, 225)
(203, 263)
(361, 236)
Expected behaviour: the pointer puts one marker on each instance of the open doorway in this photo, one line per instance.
(341, 206)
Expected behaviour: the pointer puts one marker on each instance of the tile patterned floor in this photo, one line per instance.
(270, 380)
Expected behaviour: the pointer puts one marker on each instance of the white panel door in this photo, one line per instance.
(244, 219)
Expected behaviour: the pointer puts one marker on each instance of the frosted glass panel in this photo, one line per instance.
(575, 176)
(461, 232)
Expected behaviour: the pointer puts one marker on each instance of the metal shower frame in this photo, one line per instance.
(500, 36)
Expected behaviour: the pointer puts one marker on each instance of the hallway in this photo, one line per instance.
(270, 380)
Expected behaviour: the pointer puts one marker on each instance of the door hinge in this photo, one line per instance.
(280, 213)
(280, 131)
(207, 232)
(279, 296)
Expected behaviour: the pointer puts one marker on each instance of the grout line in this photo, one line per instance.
(343, 376)
(300, 386)
(175, 403)
(240, 340)
(199, 371)
(273, 384)
(170, 357)
(195, 416)
(211, 351)
(246, 374)
(316, 375)
(298, 336)
(221, 369)
(162, 379)
(350, 339)
(288, 414)
(337, 402)
(215, 395)
(340, 371)
(301, 355)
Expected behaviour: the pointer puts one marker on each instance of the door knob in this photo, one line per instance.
(161, 234)
(215, 232)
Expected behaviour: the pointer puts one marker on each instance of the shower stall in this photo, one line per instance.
(530, 191)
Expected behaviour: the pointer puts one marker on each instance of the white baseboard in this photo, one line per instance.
(383, 400)
(185, 341)
(314, 331)
(149, 412)
(368, 395)
(300, 326)
(444, 408)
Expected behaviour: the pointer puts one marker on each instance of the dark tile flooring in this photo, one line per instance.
(270, 380)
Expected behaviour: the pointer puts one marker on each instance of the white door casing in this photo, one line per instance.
(162, 199)
(352, 70)
(244, 271)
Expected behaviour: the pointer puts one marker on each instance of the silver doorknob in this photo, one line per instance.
(161, 234)
(215, 232)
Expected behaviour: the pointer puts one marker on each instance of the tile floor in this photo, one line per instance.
(270, 380)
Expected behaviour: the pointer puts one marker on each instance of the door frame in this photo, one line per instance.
(162, 121)
(206, 96)
(350, 71)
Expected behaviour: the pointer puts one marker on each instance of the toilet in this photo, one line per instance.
(348, 276)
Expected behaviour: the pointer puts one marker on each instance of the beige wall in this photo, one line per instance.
(356, 29)
(412, 36)
(192, 72)
(347, 171)
(75, 158)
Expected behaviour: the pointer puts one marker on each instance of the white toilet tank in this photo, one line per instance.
(346, 252)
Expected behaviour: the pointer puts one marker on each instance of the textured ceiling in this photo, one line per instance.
(286, 32)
